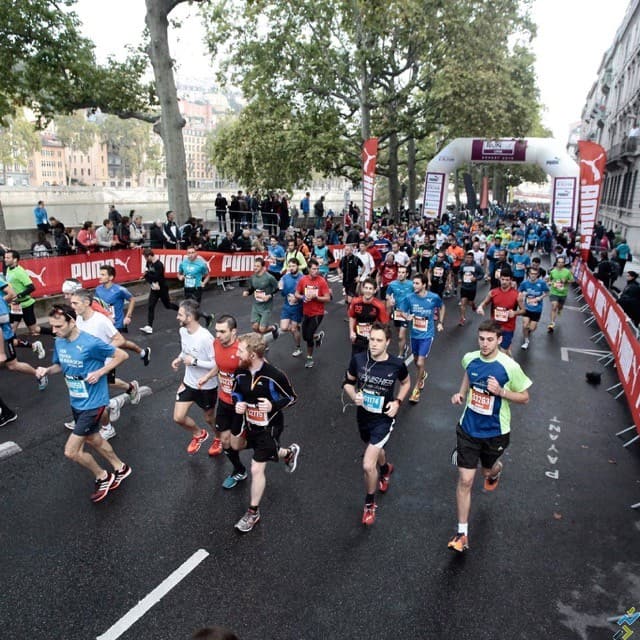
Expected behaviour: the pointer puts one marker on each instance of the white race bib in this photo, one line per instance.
(438, 271)
(363, 329)
(310, 292)
(226, 382)
(77, 387)
(257, 417)
(501, 314)
(468, 277)
(420, 323)
(189, 282)
(260, 295)
(481, 402)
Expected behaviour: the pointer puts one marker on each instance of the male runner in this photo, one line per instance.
(363, 312)
(370, 383)
(154, 275)
(397, 291)
(197, 356)
(470, 273)
(423, 309)
(227, 421)
(490, 382)
(348, 268)
(314, 292)
(506, 306)
(194, 273)
(263, 286)
(438, 273)
(532, 292)
(559, 279)
(85, 362)
(291, 313)
(261, 392)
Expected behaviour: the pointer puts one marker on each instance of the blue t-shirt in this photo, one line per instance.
(623, 250)
(7, 331)
(289, 284)
(79, 358)
(486, 415)
(276, 252)
(533, 290)
(114, 298)
(520, 264)
(400, 290)
(425, 313)
(194, 272)
(322, 255)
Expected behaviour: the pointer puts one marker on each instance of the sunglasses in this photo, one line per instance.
(60, 311)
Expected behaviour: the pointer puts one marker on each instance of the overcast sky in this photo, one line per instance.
(572, 38)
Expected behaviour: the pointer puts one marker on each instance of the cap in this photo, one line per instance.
(71, 286)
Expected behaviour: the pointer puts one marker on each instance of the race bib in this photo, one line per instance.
(420, 323)
(363, 329)
(532, 301)
(398, 315)
(257, 417)
(226, 382)
(468, 277)
(501, 314)
(372, 402)
(481, 402)
(310, 292)
(260, 295)
(292, 300)
(558, 285)
(189, 282)
(519, 266)
(438, 271)
(77, 387)
(496, 274)
(16, 309)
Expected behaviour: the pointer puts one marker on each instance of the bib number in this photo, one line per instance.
(372, 402)
(260, 295)
(559, 285)
(501, 314)
(257, 417)
(420, 323)
(481, 402)
(363, 329)
(226, 382)
(189, 282)
(310, 293)
(438, 272)
(77, 388)
(467, 277)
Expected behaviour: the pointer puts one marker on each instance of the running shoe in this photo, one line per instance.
(551, 327)
(231, 481)
(249, 520)
(216, 447)
(291, 459)
(6, 419)
(369, 514)
(415, 395)
(275, 332)
(114, 410)
(461, 323)
(405, 352)
(525, 345)
(383, 483)
(107, 432)
(148, 329)
(491, 482)
(70, 425)
(102, 487)
(146, 356)
(318, 338)
(196, 443)
(297, 352)
(125, 472)
(422, 380)
(134, 394)
(38, 349)
(459, 543)
(43, 383)
(308, 363)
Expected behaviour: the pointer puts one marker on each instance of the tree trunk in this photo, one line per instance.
(172, 121)
(394, 183)
(456, 188)
(413, 177)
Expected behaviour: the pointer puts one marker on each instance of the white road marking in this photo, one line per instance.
(154, 597)
(8, 449)
(564, 352)
(566, 306)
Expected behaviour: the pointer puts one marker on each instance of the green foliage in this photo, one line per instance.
(76, 132)
(18, 141)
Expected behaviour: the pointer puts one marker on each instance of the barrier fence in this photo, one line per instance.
(48, 274)
(617, 330)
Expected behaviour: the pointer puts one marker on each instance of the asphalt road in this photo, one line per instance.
(554, 551)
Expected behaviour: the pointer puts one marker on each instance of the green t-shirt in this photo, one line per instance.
(266, 285)
(19, 279)
(559, 280)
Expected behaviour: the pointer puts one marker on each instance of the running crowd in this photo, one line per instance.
(395, 281)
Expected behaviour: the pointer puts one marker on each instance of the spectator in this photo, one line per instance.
(285, 219)
(221, 212)
(623, 254)
(86, 239)
(171, 232)
(156, 235)
(243, 241)
(318, 210)
(114, 216)
(305, 207)
(227, 245)
(42, 217)
(41, 248)
(136, 229)
(123, 236)
(629, 299)
(62, 240)
(188, 233)
(104, 235)
(607, 271)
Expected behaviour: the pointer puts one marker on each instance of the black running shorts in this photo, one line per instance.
(204, 398)
(265, 442)
(486, 450)
(227, 419)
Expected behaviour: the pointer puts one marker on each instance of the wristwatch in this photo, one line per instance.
(195, 362)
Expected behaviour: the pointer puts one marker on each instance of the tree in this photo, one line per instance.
(18, 141)
(75, 132)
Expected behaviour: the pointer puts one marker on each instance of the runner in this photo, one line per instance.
(397, 291)
(314, 292)
(470, 273)
(262, 285)
(321, 252)
(490, 382)
(7, 415)
(506, 306)
(370, 382)
(348, 269)
(198, 358)
(368, 266)
(423, 309)
(532, 293)
(291, 313)
(194, 273)
(559, 279)
(277, 265)
(363, 312)
(227, 421)
(438, 273)
(114, 296)
(387, 273)
(154, 275)
(520, 262)
(85, 362)
(261, 393)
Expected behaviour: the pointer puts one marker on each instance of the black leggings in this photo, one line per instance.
(155, 295)
(309, 327)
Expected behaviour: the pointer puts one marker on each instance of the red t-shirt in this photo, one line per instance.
(311, 288)
(227, 361)
(366, 313)
(501, 303)
(388, 273)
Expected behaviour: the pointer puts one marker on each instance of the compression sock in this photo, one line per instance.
(370, 499)
(234, 459)
(384, 469)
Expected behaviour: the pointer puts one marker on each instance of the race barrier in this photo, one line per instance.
(618, 332)
(48, 274)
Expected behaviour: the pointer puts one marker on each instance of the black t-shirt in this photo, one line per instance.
(375, 379)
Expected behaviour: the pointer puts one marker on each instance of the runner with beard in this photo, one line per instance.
(363, 312)
(397, 291)
(387, 273)
(470, 273)
(438, 273)
(291, 312)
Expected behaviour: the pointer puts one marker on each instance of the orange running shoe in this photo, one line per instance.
(491, 482)
(383, 483)
(369, 514)
(459, 543)
(216, 447)
(196, 443)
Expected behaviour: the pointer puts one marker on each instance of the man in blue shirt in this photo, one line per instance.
(276, 258)
(424, 310)
(42, 217)
(532, 292)
(85, 362)
(520, 262)
(291, 313)
(194, 272)
(397, 291)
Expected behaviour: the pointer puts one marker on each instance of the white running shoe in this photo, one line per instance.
(134, 394)
(38, 349)
(297, 352)
(147, 329)
(107, 432)
(70, 425)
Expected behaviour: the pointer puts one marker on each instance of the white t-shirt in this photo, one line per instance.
(478, 257)
(198, 345)
(401, 258)
(99, 326)
(368, 265)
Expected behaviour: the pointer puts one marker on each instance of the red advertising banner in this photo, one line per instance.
(48, 274)
(369, 158)
(593, 160)
(622, 340)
